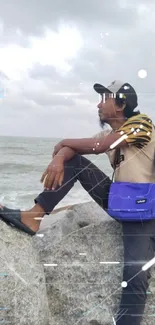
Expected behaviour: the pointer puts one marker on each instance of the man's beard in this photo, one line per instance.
(102, 123)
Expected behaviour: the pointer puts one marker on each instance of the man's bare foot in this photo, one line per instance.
(32, 218)
(27, 219)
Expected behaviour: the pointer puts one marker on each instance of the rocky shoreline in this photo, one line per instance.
(62, 276)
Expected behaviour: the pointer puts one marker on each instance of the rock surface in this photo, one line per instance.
(82, 290)
(23, 296)
(79, 285)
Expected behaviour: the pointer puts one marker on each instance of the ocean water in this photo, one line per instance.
(22, 162)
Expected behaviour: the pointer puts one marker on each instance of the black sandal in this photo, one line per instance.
(13, 219)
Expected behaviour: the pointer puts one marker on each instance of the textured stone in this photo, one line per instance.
(81, 290)
(23, 296)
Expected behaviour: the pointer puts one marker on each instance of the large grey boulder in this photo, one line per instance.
(75, 248)
(23, 296)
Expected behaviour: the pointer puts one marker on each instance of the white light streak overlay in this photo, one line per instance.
(113, 145)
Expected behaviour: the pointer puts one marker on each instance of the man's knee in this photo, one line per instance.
(76, 161)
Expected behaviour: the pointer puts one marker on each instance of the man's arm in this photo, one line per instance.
(94, 146)
(66, 153)
(135, 131)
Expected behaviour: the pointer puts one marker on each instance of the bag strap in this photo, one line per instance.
(117, 155)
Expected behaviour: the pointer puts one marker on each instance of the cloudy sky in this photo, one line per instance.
(52, 52)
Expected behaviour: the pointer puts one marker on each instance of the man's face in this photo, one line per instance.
(106, 109)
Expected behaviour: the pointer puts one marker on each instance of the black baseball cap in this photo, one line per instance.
(123, 89)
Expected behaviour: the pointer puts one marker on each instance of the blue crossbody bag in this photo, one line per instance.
(131, 201)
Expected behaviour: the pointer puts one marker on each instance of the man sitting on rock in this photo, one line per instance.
(132, 136)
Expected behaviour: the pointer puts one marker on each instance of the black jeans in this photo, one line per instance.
(138, 238)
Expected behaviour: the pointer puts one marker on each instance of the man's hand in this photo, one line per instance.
(54, 174)
(57, 148)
